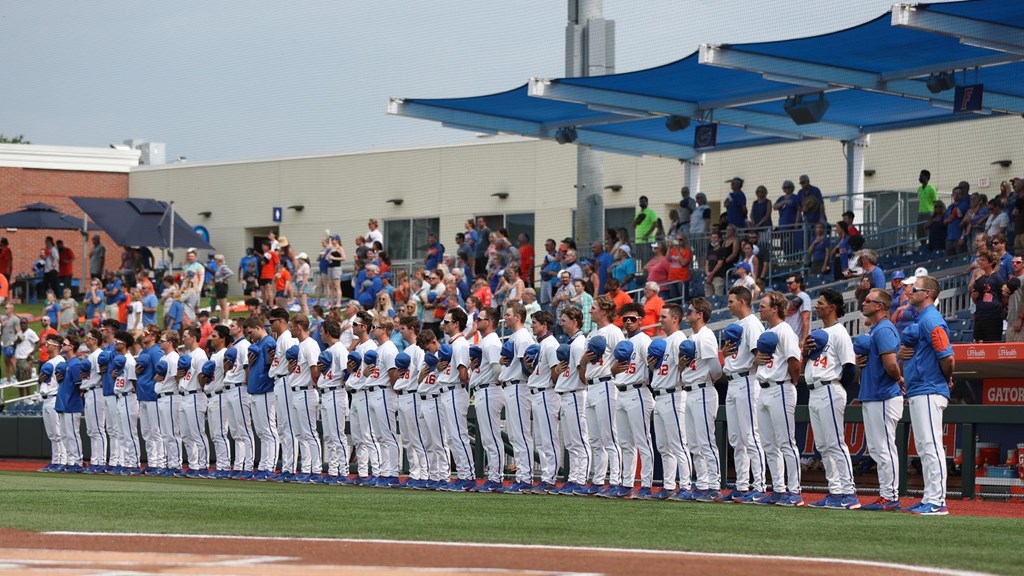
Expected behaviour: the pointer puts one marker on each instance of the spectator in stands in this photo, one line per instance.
(987, 294)
(736, 203)
(997, 220)
(483, 244)
(811, 211)
(618, 296)
(434, 253)
(564, 293)
(839, 257)
(6, 259)
(798, 315)
(700, 222)
(1014, 298)
(761, 210)
(657, 267)
(621, 239)
(680, 258)
(745, 279)
(65, 265)
(686, 209)
(820, 248)
(269, 262)
(11, 325)
(975, 218)
(624, 268)
(590, 277)
(731, 242)
(373, 234)
(788, 207)
(463, 247)
(602, 261)
(644, 222)
(51, 265)
(981, 242)
(715, 267)
(926, 197)
(1018, 215)
(747, 254)
(25, 343)
(527, 258)
(584, 301)
(572, 265)
(999, 249)
(652, 308)
(848, 217)
(869, 262)
(952, 218)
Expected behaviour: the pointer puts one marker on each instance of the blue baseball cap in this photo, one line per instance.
(531, 353)
(119, 361)
(46, 372)
(768, 342)
(104, 358)
(562, 353)
(623, 351)
(476, 352)
(656, 350)
(161, 368)
(508, 349)
(231, 355)
(897, 275)
(862, 344)
(597, 344)
(432, 297)
(744, 266)
(911, 336)
(370, 357)
(325, 360)
(184, 362)
(403, 361)
(85, 366)
(269, 347)
(820, 339)
(687, 349)
(61, 370)
(355, 357)
(292, 353)
(431, 361)
(209, 367)
(444, 353)
(733, 333)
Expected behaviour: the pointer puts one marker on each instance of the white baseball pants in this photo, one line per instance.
(361, 429)
(572, 411)
(633, 421)
(217, 420)
(880, 421)
(240, 425)
(778, 432)
(71, 426)
(926, 421)
(128, 421)
(456, 410)
(149, 424)
(116, 443)
(95, 426)
(286, 426)
(701, 411)
(432, 426)
(545, 407)
(600, 416)
(333, 413)
(827, 407)
(670, 430)
(488, 403)
(264, 424)
(52, 425)
(517, 424)
(304, 411)
(742, 405)
(170, 432)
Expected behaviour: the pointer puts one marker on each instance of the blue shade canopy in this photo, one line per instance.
(40, 216)
(874, 76)
(140, 222)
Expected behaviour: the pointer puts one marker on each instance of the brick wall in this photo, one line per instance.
(21, 186)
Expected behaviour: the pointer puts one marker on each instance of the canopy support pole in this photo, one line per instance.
(855, 176)
(691, 173)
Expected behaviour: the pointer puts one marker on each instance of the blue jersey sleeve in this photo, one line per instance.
(886, 340)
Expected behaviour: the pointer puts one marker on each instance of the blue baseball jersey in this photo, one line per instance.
(260, 380)
(875, 383)
(921, 374)
(69, 396)
(108, 379)
(145, 386)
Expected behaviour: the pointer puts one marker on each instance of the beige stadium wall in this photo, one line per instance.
(341, 192)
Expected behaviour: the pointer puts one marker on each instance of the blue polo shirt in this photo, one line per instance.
(921, 374)
(878, 278)
(260, 381)
(107, 379)
(114, 285)
(69, 394)
(875, 383)
(145, 386)
(735, 211)
(604, 262)
(149, 301)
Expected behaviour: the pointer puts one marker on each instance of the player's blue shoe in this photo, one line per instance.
(73, 469)
(624, 492)
(301, 478)
(831, 501)
(518, 488)
(644, 493)
(708, 495)
(777, 496)
(192, 474)
(316, 478)
(882, 505)
(609, 492)
(791, 500)
(684, 496)
(753, 497)
(389, 482)
(490, 486)
(931, 510)
(849, 501)
(565, 489)
(738, 495)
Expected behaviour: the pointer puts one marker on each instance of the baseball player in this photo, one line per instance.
(669, 403)
(122, 367)
(432, 412)
(409, 362)
(572, 401)
(237, 402)
(778, 368)
(544, 400)
(360, 426)
(95, 406)
(928, 376)
(742, 397)
(383, 401)
(517, 397)
(596, 369)
(286, 426)
(149, 418)
(700, 368)
(880, 395)
(453, 378)
(304, 374)
(69, 405)
(216, 410)
(193, 406)
(263, 394)
(334, 401)
(115, 446)
(829, 367)
(635, 403)
(48, 391)
(166, 388)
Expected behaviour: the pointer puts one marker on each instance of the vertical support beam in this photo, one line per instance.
(967, 446)
(903, 448)
(855, 176)
(691, 173)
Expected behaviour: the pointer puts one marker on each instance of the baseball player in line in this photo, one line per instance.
(144, 373)
(595, 368)
(122, 368)
(453, 379)
(193, 406)
(216, 411)
(166, 388)
(742, 397)
(829, 367)
(69, 405)
(880, 395)
(778, 368)
(488, 396)
(360, 425)
(635, 403)
(669, 403)
(544, 401)
(700, 368)
(286, 427)
(573, 402)
(517, 398)
(262, 390)
(237, 402)
(383, 401)
(115, 446)
(334, 402)
(48, 391)
(431, 415)
(302, 364)
(409, 362)
(95, 406)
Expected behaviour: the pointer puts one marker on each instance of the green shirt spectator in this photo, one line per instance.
(644, 222)
(926, 194)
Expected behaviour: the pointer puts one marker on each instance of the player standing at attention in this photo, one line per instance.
(453, 378)
(431, 416)
(216, 411)
(69, 405)
(829, 367)
(928, 374)
(544, 400)
(95, 406)
(405, 386)
(488, 396)
(635, 404)
(115, 460)
(384, 401)
(361, 427)
(166, 389)
(304, 398)
(601, 398)
(237, 402)
(263, 395)
(743, 397)
(194, 406)
(573, 402)
(880, 395)
(517, 398)
(286, 426)
(669, 403)
(334, 401)
(777, 372)
(121, 366)
(699, 372)
(144, 372)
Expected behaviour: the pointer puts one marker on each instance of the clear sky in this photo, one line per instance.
(241, 79)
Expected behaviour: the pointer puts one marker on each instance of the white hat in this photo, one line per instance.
(303, 256)
(625, 248)
(919, 273)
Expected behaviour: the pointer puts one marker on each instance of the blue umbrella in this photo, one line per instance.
(41, 216)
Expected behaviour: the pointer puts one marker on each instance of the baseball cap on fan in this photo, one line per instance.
(921, 272)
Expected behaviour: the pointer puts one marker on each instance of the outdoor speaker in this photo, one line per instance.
(565, 135)
(677, 123)
(941, 82)
(805, 111)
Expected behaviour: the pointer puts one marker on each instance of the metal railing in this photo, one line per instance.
(20, 385)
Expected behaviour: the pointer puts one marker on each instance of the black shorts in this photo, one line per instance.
(266, 281)
(220, 290)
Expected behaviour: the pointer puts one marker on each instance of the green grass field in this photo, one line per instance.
(36, 501)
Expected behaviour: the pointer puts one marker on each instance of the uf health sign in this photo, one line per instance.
(968, 98)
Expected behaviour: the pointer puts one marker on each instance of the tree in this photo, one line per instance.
(19, 139)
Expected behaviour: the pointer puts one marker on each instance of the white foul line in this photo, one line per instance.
(728, 555)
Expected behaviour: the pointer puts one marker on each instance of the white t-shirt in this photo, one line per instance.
(742, 359)
(795, 320)
(569, 379)
(309, 352)
(372, 235)
(490, 347)
(95, 378)
(747, 282)
(637, 372)
(514, 371)
(777, 369)
(546, 360)
(603, 368)
(27, 345)
(838, 351)
(667, 375)
(702, 368)
(135, 315)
